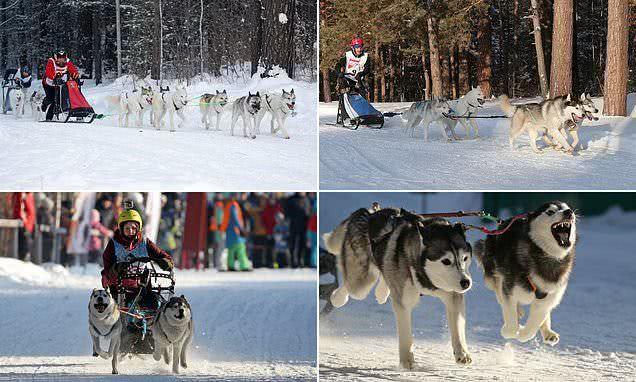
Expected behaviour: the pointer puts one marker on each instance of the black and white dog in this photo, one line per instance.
(246, 107)
(406, 256)
(530, 265)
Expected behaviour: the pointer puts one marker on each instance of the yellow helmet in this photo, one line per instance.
(129, 216)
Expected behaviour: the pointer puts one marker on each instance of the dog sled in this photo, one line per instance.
(70, 106)
(140, 304)
(354, 109)
(8, 84)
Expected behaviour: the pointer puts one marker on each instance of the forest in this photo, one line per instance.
(160, 38)
(524, 48)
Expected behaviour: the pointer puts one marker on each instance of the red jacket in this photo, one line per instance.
(23, 208)
(109, 276)
(312, 224)
(269, 217)
(52, 69)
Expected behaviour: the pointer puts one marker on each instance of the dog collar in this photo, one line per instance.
(540, 295)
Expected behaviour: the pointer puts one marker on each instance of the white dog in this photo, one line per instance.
(280, 107)
(18, 100)
(466, 106)
(170, 102)
(37, 98)
(212, 103)
(133, 102)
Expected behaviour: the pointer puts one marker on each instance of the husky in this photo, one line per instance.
(530, 265)
(104, 325)
(212, 103)
(406, 256)
(36, 100)
(280, 107)
(133, 102)
(18, 100)
(546, 117)
(466, 106)
(572, 128)
(172, 332)
(171, 102)
(246, 107)
(428, 112)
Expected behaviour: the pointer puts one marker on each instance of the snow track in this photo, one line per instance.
(388, 158)
(249, 326)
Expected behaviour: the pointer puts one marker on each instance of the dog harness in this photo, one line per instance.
(111, 328)
(122, 254)
(270, 105)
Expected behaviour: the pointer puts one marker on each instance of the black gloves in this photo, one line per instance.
(164, 264)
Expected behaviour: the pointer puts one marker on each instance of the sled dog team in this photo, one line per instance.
(405, 255)
(552, 119)
(251, 109)
(172, 330)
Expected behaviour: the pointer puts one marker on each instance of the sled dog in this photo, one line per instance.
(428, 112)
(466, 106)
(171, 102)
(37, 98)
(104, 324)
(212, 103)
(280, 107)
(172, 331)
(134, 102)
(572, 128)
(18, 101)
(530, 265)
(546, 117)
(246, 107)
(406, 256)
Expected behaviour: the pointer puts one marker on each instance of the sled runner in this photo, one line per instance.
(139, 305)
(70, 104)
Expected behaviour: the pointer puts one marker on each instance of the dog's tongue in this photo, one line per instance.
(564, 238)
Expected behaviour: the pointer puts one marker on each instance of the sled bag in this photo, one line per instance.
(357, 106)
(76, 101)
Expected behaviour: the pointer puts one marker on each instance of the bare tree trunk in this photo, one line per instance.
(257, 44)
(446, 73)
(503, 42)
(97, 51)
(464, 73)
(201, 39)
(427, 77)
(538, 45)
(615, 87)
(118, 26)
(515, 46)
(561, 69)
(436, 75)
(326, 88)
(484, 70)
(391, 60)
(382, 78)
(453, 72)
(376, 77)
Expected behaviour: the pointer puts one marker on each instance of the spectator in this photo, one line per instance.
(97, 231)
(235, 236)
(217, 234)
(268, 217)
(23, 208)
(312, 237)
(296, 212)
(258, 234)
(281, 248)
(46, 219)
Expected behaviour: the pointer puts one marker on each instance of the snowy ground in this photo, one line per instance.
(103, 155)
(598, 343)
(389, 159)
(249, 326)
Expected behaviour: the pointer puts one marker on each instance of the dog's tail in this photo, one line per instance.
(506, 106)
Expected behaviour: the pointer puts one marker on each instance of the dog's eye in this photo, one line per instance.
(465, 258)
(549, 212)
(446, 262)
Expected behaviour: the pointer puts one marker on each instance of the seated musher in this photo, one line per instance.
(353, 67)
(127, 245)
(59, 69)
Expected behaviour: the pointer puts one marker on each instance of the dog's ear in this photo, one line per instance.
(582, 96)
(460, 228)
(224, 91)
(249, 93)
(258, 94)
(569, 97)
(217, 92)
(284, 92)
(292, 91)
(587, 96)
(94, 290)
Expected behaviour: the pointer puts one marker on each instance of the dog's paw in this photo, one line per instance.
(115, 371)
(407, 362)
(95, 354)
(156, 356)
(525, 335)
(184, 364)
(551, 338)
(463, 358)
(509, 332)
(286, 137)
(339, 297)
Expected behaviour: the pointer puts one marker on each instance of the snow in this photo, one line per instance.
(282, 18)
(249, 326)
(358, 342)
(103, 155)
(389, 159)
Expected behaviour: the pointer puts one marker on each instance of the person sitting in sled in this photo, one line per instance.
(59, 69)
(353, 67)
(126, 245)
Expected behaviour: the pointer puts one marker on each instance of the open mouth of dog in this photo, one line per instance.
(290, 106)
(577, 117)
(561, 232)
(481, 101)
(100, 307)
(180, 315)
(590, 116)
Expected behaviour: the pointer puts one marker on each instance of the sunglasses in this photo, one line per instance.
(356, 46)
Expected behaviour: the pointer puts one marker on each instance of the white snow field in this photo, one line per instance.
(390, 159)
(100, 155)
(358, 341)
(248, 326)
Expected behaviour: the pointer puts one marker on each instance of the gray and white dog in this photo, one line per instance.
(572, 128)
(104, 325)
(212, 103)
(246, 107)
(171, 102)
(465, 107)
(407, 256)
(530, 265)
(37, 98)
(172, 332)
(428, 112)
(280, 106)
(545, 118)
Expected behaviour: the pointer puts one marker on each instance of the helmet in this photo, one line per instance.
(129, 216)
(357, 41)
(59, 54)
